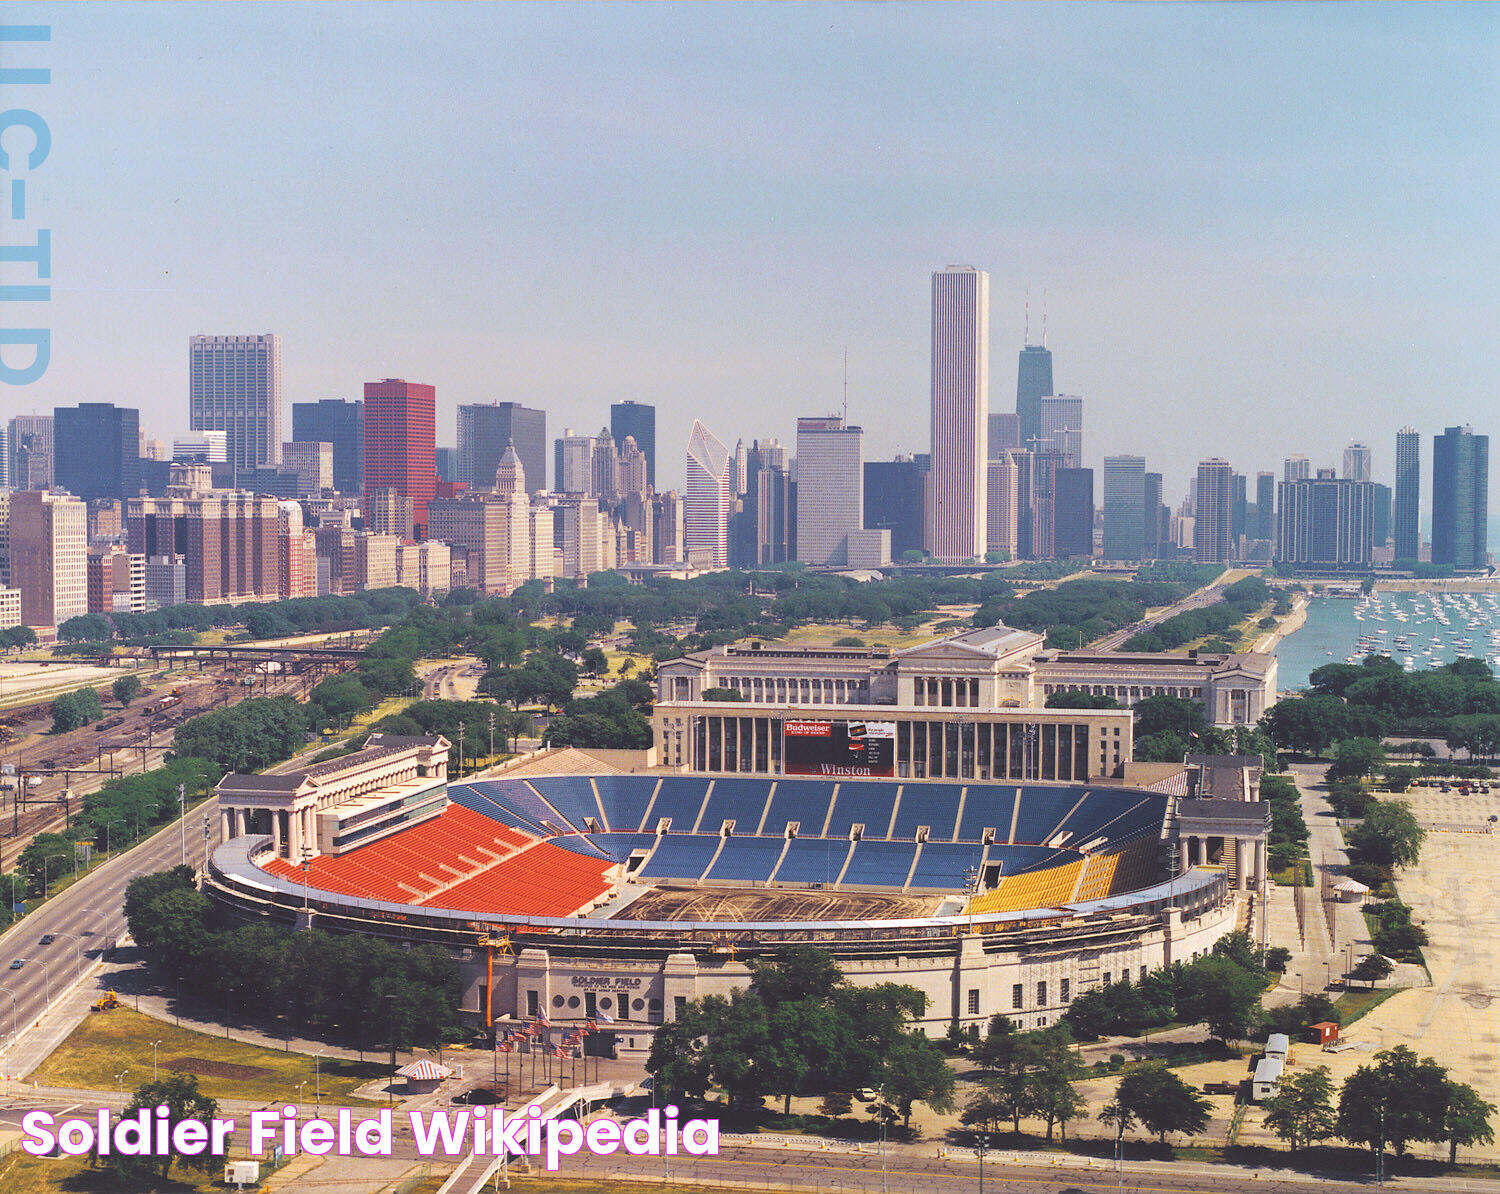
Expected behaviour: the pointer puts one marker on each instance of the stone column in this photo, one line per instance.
(226, 824)
(276, 831)
(1241, 860)
(1260, 865)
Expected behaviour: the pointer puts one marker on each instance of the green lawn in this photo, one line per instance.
(108, 1042)
(1354, 1004)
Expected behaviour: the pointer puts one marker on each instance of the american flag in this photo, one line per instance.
(559, 1051)
(542, 1021)
(605, 1017)
(505, 1046)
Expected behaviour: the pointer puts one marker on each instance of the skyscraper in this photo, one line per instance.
(639, 420)
(102, 451)
(1124, 507)
(1073, 514)
(1357, 462)
(1033, 383)
(1460, 498)
(400, 443)
(1265, 505)
(49, 556)
(573, 463)
(1005, 433)
(831, 497)
(1062, 427)
(1324, 522)
(234, 386)
(960, 411)
(896, 501)
(342, 424)
(484, 432)
(1296, 468)
(1380, 514)
(28, 441)
(710, 498)
(1408, 492)
(1214, 512)
(1003, 516)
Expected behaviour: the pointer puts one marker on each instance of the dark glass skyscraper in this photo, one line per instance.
(895, 501)
(1460, 498)
(99, 450)
(1408, 492)
(1073, 513)
(342, 424)
(484, 432)
(1155, 518)
(639, 420)
(1265, 505)
(1033, 383)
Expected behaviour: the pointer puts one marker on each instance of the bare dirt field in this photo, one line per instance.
(1455, 893)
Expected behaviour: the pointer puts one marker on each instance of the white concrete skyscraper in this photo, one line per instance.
(960, 412)
(831, 498)
(234, 386)
(710, 497)
(1357, 462)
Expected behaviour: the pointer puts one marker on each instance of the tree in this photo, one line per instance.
(1163, 714)
(723, 694)
(1397, 1100)
(1356, 758)
(1466, 1119)
(1371, 968)
(1222, 994)
(126, 688)
(1162, 1101)
(1004, 1059)
(180, 1093)
(46, 857)
(1055, 1067)
(1302, 1112)
(86, 628)
(915, 1071)
(1389, 835)
(1119, 1117)
(74, 710)
(1307, 723)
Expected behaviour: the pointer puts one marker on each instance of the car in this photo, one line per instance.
(18, 963)
(47, 939)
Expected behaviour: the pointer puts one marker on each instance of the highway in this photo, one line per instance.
(1207, 595)
(85, 919)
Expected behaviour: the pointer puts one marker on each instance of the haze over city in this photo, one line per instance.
(1254, 230)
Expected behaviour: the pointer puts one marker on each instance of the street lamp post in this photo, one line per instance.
(154, 1046)
(317, 1083)
(182, 818)
(47, 974)
(460, 750)
(77, 952)
(120, 1080)
(107, 824)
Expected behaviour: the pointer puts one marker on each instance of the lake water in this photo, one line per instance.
(1421, 629)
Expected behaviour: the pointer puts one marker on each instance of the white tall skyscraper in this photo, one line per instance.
(1062, 427)
(1357, 462)
(234, 386)
(831, 498)
(710, 497)
(960, 412)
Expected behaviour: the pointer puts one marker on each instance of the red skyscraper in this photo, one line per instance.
(401, 442)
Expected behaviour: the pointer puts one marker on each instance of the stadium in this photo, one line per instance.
(572, 887)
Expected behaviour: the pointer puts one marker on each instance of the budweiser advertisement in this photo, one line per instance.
(839, 748)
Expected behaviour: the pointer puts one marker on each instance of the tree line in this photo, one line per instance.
(355, 989)
(801, 1029)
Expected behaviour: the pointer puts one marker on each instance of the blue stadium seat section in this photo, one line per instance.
(739, 800)
(618, 846)
(947, 865)
(880, 864)
(813, 860)
(1106, 813)
(625, 798)
(522, 801)
(805, 801)
(933, 805)
(862, 803)
(566, 803)
(572, 796)
(477, 801)
(987, 806)
(681, 856)
(1041, 810)
(746, 860)
(681, 799)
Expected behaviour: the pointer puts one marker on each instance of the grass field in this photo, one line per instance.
(1354, 1004)
(108, 1042)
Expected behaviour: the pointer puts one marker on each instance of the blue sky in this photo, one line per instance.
(1260, 228)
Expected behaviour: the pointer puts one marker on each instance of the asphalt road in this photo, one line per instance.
(1208, 595)
(84, 919)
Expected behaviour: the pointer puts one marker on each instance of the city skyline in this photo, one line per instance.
(1170, 233)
